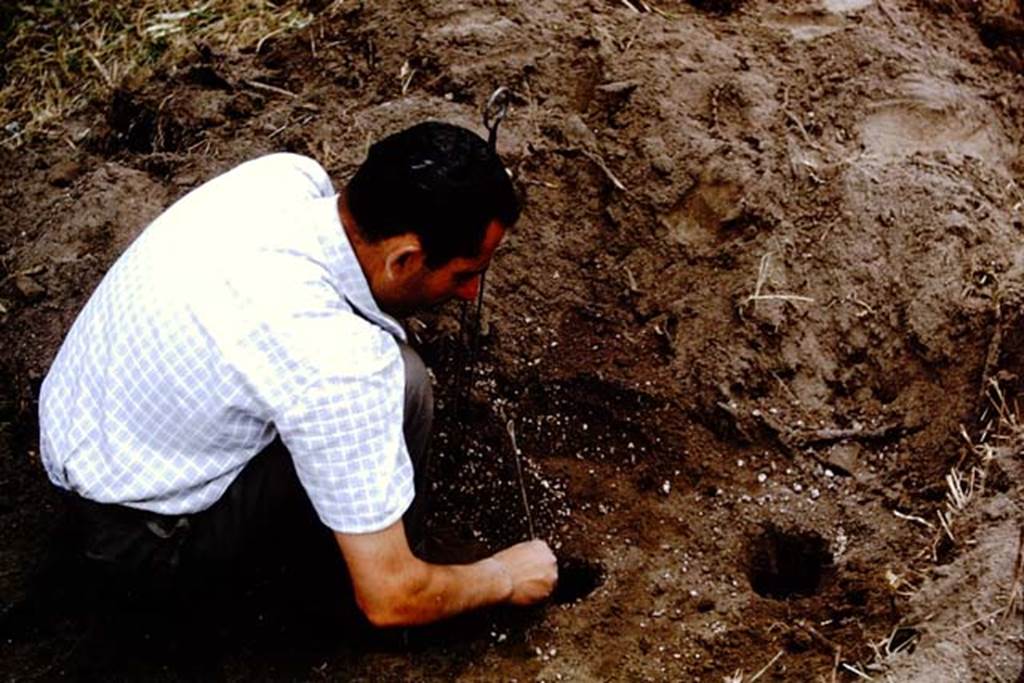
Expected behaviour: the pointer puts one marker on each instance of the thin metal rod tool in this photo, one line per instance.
(474, 343)
(471, 337)
(510, 425)
(495, 112)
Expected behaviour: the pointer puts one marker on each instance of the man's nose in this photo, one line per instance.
(468, 290)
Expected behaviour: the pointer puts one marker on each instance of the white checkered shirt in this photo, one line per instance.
(238, 314)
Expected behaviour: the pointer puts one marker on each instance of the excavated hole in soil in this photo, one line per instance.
(577, 578)
(788, 564)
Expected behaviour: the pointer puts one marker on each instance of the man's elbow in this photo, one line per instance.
(382, 617)
(403, 603)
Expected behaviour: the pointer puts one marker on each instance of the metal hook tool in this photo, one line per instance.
(494, 113)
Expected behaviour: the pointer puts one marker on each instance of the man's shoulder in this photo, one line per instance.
(287, 163)
(268, 178)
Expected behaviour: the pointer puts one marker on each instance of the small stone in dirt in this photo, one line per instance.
(243, 105)
(578, 134)
(64, 173)
(797, 641)
(845, 459)
(619, 87)
(662, 163)
(29, 289)
(654, 148)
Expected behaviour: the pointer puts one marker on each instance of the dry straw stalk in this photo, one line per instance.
(58, 56)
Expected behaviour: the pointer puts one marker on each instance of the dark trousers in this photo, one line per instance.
(264, 519)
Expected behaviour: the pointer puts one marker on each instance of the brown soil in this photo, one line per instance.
(770, 266)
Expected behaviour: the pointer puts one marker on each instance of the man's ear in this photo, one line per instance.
(404, 255)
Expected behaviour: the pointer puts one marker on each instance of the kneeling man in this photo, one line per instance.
(239, 375)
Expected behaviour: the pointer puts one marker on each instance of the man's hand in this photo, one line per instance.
(533, 571)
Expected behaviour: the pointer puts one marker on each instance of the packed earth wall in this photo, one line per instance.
(757, 337)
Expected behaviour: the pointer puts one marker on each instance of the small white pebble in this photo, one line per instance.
(762, 478)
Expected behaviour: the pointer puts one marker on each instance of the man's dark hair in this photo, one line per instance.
(439, 181)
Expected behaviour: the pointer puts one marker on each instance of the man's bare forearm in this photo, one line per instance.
(434, 592)
(395, 588)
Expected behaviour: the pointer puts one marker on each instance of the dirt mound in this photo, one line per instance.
(768, 276)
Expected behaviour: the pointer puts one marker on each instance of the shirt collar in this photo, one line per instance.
(348, 274)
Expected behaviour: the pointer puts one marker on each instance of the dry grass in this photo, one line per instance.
(764, 272)
(60, 55)
(738, 677)
(1002, 436)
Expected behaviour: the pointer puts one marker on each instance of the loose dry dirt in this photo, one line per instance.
(769, 277)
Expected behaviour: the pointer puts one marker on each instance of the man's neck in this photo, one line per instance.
(370, 260)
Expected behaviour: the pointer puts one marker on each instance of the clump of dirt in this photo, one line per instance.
(767, 278)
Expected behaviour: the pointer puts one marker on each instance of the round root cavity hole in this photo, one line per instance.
(788, 564)
(577, 578)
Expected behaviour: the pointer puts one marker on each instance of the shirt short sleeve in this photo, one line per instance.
(331, 382)
(345, 434)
